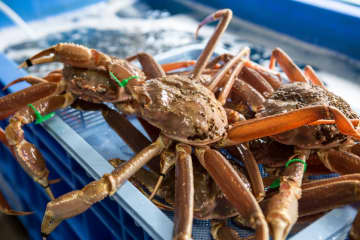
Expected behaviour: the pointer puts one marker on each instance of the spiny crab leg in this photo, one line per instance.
(225, 15)
(268, 126)
(218, 167)
(184, 193)
(28, 156)
(76, 202)
(282, 210)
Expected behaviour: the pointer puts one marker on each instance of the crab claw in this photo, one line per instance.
(69, 53)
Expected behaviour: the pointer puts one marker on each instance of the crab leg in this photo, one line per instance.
(12, 102)
(220, 231)
(271, 76)
(226, 57)
(257, 81)
(310, 74)
(282, 211)
(252, 97)
(167, 162)
(121, 125)
(252, 168)
(341, 162)
(287, 65)
(54, 77)
(184, 193)
(26, 153)
(218, 167)
(233, 62)
(177, 65)
(76, 202)
(245, 131)
(225, 15)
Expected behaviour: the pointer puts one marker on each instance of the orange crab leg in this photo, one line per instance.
(218, 167)
(310, 74)
(12, 102)
(267, 126)
(287, 65)
(177, 65)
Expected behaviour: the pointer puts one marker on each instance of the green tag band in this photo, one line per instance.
(296, 160)
(39, 117)
(276, 182)
(123, 82)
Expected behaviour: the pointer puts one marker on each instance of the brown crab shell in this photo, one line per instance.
(292, 96)
(183, 109)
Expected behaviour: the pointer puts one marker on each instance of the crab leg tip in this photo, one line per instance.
(49, 192)
(26, 63)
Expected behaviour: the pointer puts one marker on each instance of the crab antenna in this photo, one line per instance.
(225, 15)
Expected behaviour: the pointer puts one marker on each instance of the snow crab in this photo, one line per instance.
(190, 115)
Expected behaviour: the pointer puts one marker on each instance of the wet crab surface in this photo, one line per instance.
(94, 119)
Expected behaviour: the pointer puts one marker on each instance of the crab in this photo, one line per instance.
(189, 115)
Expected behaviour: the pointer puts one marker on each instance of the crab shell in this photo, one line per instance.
(183, 109)
(297, 95)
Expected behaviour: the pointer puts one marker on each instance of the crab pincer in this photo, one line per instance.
(69, 53)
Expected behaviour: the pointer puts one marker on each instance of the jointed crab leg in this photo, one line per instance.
(310, 74)
(225, 15)
(218, 166)
(69, 53)
(267, 126)
(252, 168)
(14, 101)
(287, 65)
(184, 193)
(76, 202)
(234, 62)
(341, 162)
(26, 153)
(282, 210)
